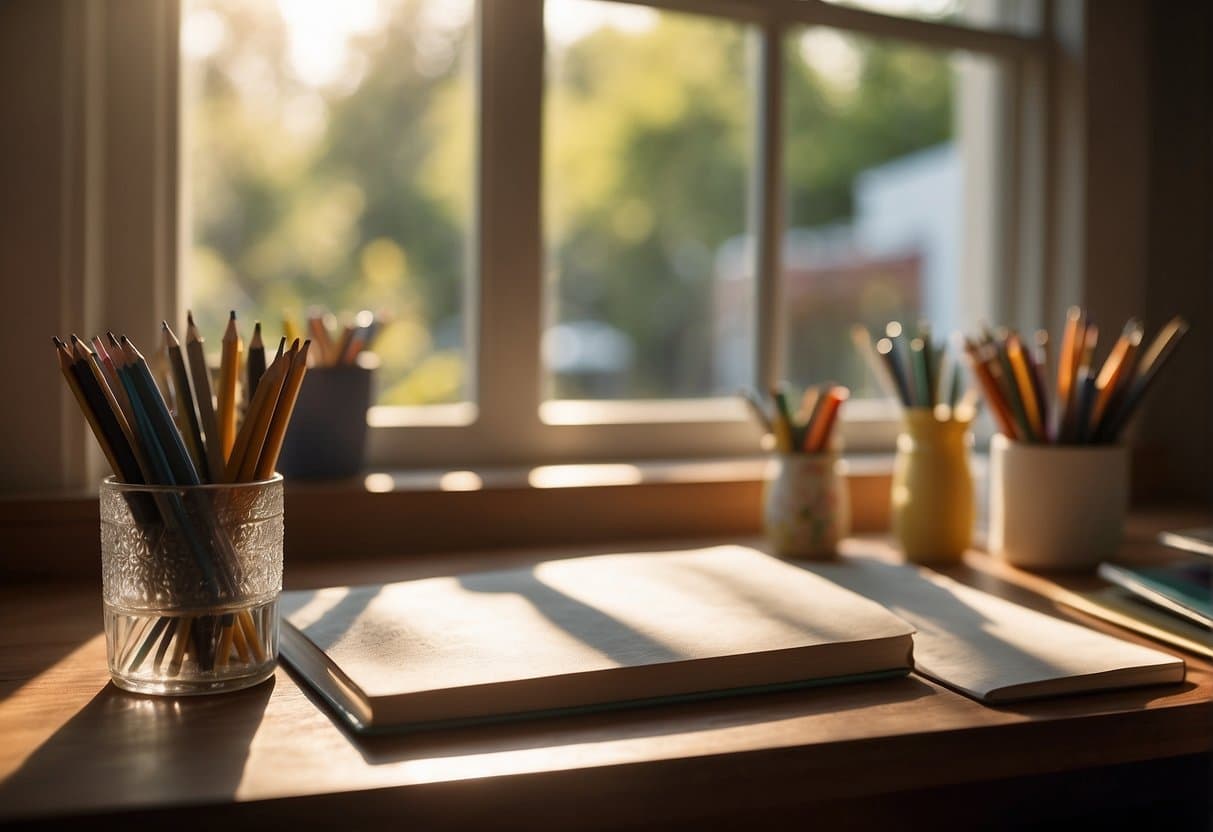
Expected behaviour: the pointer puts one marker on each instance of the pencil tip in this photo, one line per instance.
(57, 341)
(189, 317)
(232, 315)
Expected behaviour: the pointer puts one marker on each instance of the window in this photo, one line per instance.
(329, 164)
(887, 198)
(648, 158)
(591, 221)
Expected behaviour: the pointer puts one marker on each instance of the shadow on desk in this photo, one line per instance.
(145, 746)
(628, 723)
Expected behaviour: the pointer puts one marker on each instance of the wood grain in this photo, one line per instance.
(75, 746)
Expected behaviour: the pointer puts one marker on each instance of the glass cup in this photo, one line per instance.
(190, 579)
(806, 509)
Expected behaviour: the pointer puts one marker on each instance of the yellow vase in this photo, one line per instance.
(932, 489)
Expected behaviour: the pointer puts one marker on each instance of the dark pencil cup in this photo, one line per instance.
(327, 435)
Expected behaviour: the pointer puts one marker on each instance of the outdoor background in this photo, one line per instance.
(329, 163)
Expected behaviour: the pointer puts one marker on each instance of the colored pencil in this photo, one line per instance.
(229, 378)
(1089, 404)
(282, 414)
(862, 339)
(200, 375)
(251, 439)
(187, 412)
(826, 413)
(256, 360)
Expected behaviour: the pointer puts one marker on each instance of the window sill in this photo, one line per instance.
(383, 514)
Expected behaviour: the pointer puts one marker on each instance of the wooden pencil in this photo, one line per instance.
(921, 373)
(180, 465)
(256, 361)
(812, 409)
(999, 365)
(282, 414)
(229, 380)
(862, 339)
(929, 368)
(1025, 386)
(887, 350)
(1066, 364)
(823, 422)
(985, 380)
(320, 337)
(1154, 357)
(355, 345)
(72, 377)
(200, 376)
(1116, 370)
(242, 464)
(782, 420)
(187, 411)
(106, 364)
(342, 345)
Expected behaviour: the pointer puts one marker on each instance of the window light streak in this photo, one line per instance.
(580, 476)
(460, 481)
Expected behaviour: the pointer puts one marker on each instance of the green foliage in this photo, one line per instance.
(353, 195)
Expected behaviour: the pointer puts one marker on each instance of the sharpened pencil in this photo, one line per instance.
(200, 376)
(282, 414)
(1116, 370)
(823, 420)
(229, 379)
(187, 412)
(256, 361)
(251, 439)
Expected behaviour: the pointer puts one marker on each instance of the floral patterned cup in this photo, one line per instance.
(806, 509)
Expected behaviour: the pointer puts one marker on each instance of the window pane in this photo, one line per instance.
(889, 158)
(647, 159)
(328, 149)
(1020, 16)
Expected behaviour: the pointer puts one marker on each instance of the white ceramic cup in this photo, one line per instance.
(1059, 507)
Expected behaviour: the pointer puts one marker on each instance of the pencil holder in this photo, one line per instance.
(932, 500)
(1056, 507)
(806, 509)
(190, 581)
(327, 435)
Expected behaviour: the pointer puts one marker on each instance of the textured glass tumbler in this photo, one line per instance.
(190, 581)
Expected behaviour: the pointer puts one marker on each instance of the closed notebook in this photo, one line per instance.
(583, 634)
(994, 650)
(1183, 588)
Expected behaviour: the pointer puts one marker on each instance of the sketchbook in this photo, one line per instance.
(566, 636)
(996, 651)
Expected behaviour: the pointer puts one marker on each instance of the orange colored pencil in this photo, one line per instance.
(823, 423)
(998, 405)
(1116, 370)
(1023, 381)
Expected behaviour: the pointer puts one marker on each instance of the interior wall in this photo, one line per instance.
(1175, 448)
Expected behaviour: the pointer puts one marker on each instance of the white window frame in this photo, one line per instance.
(509, 422)
(134, 221)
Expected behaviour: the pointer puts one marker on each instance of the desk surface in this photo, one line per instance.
(74, 745)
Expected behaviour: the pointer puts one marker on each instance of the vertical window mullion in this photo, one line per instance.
(509, 244)
(766, 205)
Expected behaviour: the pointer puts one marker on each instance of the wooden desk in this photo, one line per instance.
(906, 753)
